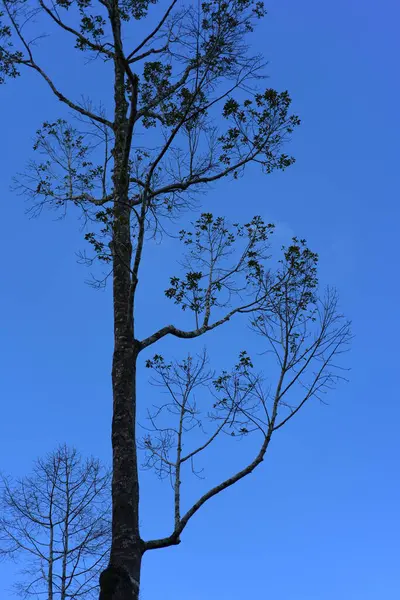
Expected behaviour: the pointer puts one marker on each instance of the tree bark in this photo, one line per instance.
(120, 581)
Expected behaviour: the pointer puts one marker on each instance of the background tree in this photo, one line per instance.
(187, 108)
(56, 522)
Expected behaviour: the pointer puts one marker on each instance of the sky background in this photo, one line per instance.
(320, 519)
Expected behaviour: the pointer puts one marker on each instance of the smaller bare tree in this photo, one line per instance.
(57, 520)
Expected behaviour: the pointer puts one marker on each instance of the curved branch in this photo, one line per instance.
(173, 539)
(31, 63)
(64, 99)
(180, 333)
(77, 34)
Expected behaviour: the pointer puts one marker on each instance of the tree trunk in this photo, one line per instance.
(50, 568)
(63, 594)
(120, 581)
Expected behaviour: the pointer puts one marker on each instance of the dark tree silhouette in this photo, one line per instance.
(188, 109)
(57, 522)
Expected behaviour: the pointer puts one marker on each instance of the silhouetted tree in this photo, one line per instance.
(57, 522)
(188, 110)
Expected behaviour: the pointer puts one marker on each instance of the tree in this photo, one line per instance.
(188, 110)
(57, 520)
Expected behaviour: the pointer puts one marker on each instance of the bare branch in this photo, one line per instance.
(79, 36)
(174, 538)
(132, 56)
(31, 63)
(179, 333)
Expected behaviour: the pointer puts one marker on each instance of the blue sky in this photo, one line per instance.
(320, 519)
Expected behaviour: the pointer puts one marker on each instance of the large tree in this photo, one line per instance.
(56, 523)
(187, 109)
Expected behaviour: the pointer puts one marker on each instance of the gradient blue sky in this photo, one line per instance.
(320, 519)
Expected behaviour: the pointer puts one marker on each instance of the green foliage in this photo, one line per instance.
(293, 305)
(233, 397)
(237, 397)
(225, 23)
(9, 58)
(222, 261)
(179, 80)
(260, 124)
(137, 9)
(68, 171)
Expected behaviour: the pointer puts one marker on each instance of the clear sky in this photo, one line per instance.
(320, 519)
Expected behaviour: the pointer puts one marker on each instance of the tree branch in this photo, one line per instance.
(179, 333)
(182, 186)
(76, 107)
(174, 538)
(153, 33)
(31, 63)
(77, 34)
